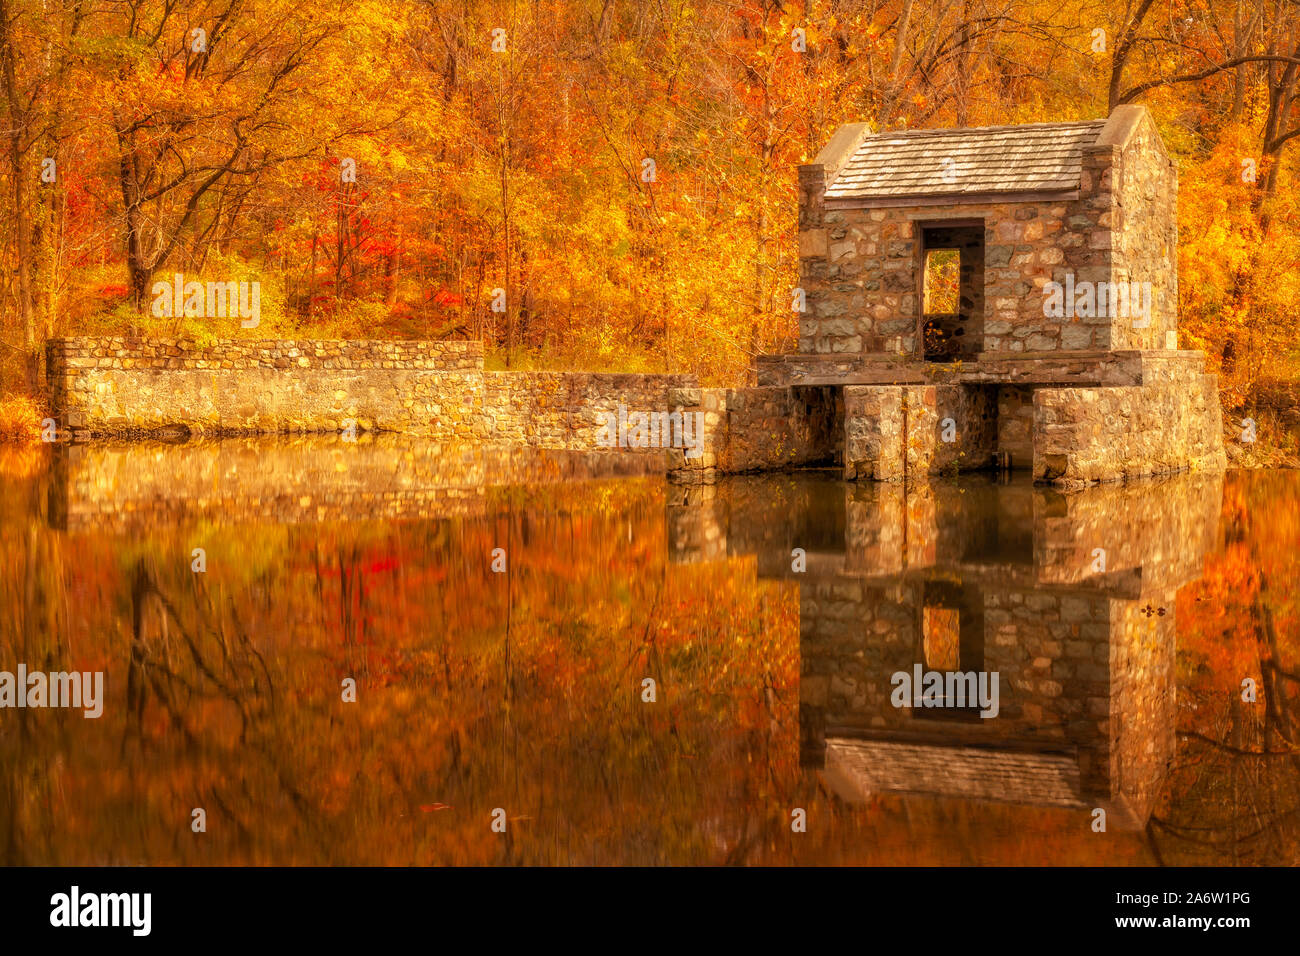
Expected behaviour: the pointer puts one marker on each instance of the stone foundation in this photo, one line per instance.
(1073, 419)
(1086, 435)
(896, 431)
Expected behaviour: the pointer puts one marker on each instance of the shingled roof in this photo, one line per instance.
(1039, 157)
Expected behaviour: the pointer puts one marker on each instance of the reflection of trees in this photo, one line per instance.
(201, 671)
(1244, 799)
(352, 591)
(176, 664)
(33, 593)
(1243, 802)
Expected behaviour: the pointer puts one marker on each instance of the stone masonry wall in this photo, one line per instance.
(759, 429)
(860, 269)
(434, 389)
(893, 431)
(1083, 435)
(1145, 240)
(1016, 424)
(873, 432)
(965, 414)
(568, 409)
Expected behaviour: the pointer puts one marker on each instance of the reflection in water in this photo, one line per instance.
(1069, 599)
(1121, 621)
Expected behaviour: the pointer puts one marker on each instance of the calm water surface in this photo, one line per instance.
(769, 612)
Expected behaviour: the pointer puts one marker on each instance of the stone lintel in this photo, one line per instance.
(1061, 367)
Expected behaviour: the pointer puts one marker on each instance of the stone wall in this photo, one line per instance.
(863, 289)
(1084, 435)
(760, 429)
(1016, 424)
(935, 413)
(568, 409)
(1069, 436)
(873, 432)
(244, 355)
(439, 390)
(1145, 237)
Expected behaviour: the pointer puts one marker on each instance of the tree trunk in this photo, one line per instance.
(138, 267)
(18, 121)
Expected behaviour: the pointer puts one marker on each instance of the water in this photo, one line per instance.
(1121, 622)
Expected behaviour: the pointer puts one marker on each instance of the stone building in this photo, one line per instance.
(1088, 206)
(1005, 295)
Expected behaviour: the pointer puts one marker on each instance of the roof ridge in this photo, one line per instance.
(1060, 124)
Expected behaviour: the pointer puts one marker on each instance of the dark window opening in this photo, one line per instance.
(952, 291)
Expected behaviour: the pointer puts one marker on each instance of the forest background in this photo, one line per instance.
(389, 168)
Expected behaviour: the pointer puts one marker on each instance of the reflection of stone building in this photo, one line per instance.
(1070, 599)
